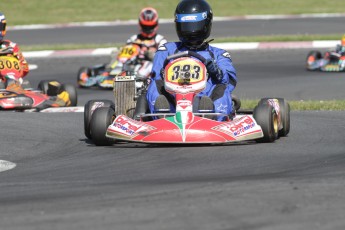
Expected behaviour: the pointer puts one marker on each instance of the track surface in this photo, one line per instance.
(119, 34)
(62, 181)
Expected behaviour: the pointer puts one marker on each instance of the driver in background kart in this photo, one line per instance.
(148, 37)
(338, 53)
(193, 22)
(13, 48)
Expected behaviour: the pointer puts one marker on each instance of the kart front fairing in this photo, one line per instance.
(184, 128)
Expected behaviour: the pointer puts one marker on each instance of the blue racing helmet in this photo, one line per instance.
(193, 22)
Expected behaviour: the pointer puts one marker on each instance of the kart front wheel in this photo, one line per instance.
(89, 108)
(266, 116)
(101, 119)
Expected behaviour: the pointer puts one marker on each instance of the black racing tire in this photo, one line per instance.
(285, 117)
(265, 116)
(72, 92)
(142, 107)
(236, 102)
(316, 56)
(101, 119)
(43, 86)
(89, 108)
(83, 69)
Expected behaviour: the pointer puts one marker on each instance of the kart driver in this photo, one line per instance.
(148, 23)
(148, 37)
(338, 53)
(340, 48)
(193, 22)
(7, 46)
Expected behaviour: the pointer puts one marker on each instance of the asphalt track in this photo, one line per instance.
(119, 34)
(62, 181)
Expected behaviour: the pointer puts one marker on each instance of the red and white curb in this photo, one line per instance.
(6, 165)
(227, 46)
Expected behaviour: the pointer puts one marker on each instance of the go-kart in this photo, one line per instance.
(329, 62)
(17, 95)
(130, 58)
(185, 76)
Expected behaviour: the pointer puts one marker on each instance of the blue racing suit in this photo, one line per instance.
(224, 84)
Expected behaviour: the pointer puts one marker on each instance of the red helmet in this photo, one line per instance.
(2, 26)
(148, 21)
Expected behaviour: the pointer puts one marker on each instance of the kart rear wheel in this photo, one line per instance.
(89, 108)
(101, 119)
(236, 102)
(72, 92)
(285, 117)
(266, 116)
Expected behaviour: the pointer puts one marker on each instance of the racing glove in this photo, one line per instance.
(213, 70)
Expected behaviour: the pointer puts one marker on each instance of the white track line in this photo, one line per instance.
(6, 165)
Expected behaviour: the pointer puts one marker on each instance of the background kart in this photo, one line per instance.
(16, 94)
(43, 99)
(104, 125)
(129, 59)
(329, 62)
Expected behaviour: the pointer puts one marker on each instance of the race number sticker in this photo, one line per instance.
(9, 63)
(185, 69)
(129, 51)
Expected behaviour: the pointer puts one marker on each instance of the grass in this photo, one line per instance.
(331, 105)
(23, 12)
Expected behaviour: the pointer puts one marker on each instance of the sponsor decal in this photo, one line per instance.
(129, 127)
(227, 55)
(222, 108)
(184, 104)
(162, 47)
(191, 17)
(124, 78)
(242, 125)
(237, 127)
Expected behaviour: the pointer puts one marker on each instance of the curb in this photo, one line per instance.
(171, 20)
(226, 46)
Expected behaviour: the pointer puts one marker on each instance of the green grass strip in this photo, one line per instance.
(330, 105)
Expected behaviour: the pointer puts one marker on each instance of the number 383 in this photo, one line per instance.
(186, 71)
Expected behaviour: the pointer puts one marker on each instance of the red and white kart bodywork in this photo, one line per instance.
(185, 77)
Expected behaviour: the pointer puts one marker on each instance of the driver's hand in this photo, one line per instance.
(213, 70)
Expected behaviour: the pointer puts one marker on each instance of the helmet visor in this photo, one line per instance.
(148, 29)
